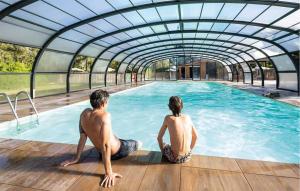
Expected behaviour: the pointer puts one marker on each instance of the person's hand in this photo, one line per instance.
(109, 179)
(69, 162)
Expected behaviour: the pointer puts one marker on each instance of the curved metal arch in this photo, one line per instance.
(184, 48)
(197, 52)
(218, 40)
(147, 64)
(185, 31)
(290, 31)
(135, 8)
(14, 7)
(159, 51)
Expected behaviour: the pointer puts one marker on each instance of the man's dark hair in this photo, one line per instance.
(98, 98)
(175, 105)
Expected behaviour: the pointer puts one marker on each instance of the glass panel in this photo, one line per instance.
(94, 6)
(118, 21)
(283, 63)
(75, 36)
(245, 67)
(249, 30)
(291, 45)
(121, 4)
(20, 35)
(36, 19)
(219, 27)
(271, 14)
(191, 11)
(173, 27)
(289, 20)
(111, 78)
(92, 50)
(159, 28)
(146, 30)
(150, 15)
(230, 10)
(79, 81)
(247, 77)
(168, 12)
(64, 45)
(190, 26)
(211, 10)
(134, 18)
(89, 30)
(250, 12)
(100, 65)
(234, 28)
(54, 62)
(49, 84)
(104, 25)
(273, 50)
(47, 11)
(98, 80)
(140, 2)
(205, 26)
(73, 8)
(288, 81)
(13, 83)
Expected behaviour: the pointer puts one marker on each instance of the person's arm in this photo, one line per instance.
(161, 134)
(80, 147)
(194, 137)
(109, 178)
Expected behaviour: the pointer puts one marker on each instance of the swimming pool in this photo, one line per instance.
(230, 122)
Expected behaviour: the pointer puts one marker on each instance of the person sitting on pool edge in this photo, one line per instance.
(96, 125)
(183, 135)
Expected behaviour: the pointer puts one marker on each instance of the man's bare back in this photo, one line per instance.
(92, 122)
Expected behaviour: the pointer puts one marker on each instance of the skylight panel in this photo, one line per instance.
(250, 29)
(230, 11)
(191, 11)
(168, 12)
(134, 18)
(271, 14)
(150, 15)
(250, 12)
(211, 10)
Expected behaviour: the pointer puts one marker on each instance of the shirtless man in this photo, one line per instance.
(95, 124)
(183, 134)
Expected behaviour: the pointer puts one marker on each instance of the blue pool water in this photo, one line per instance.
(230, 122)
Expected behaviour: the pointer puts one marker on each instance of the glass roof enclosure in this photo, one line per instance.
(136, 33)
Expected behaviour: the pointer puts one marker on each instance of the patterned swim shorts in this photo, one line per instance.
(167, 152)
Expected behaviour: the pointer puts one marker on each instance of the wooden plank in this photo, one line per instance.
(6, 187)
(132, 177)
(269, 168)
(212, 180)
(162, 177)
(61, 178)
(11, 143)
(272, 183)
(219, 163)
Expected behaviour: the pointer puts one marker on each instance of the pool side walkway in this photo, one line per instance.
(30, 165)
(270, 86)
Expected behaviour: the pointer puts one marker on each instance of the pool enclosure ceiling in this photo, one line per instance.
(137, 33)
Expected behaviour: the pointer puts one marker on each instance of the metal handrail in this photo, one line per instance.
(11, 106)
(30, 100)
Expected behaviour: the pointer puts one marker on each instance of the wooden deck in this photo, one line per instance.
(28, 165)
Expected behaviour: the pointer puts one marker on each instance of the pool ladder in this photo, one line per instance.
(14, 107)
